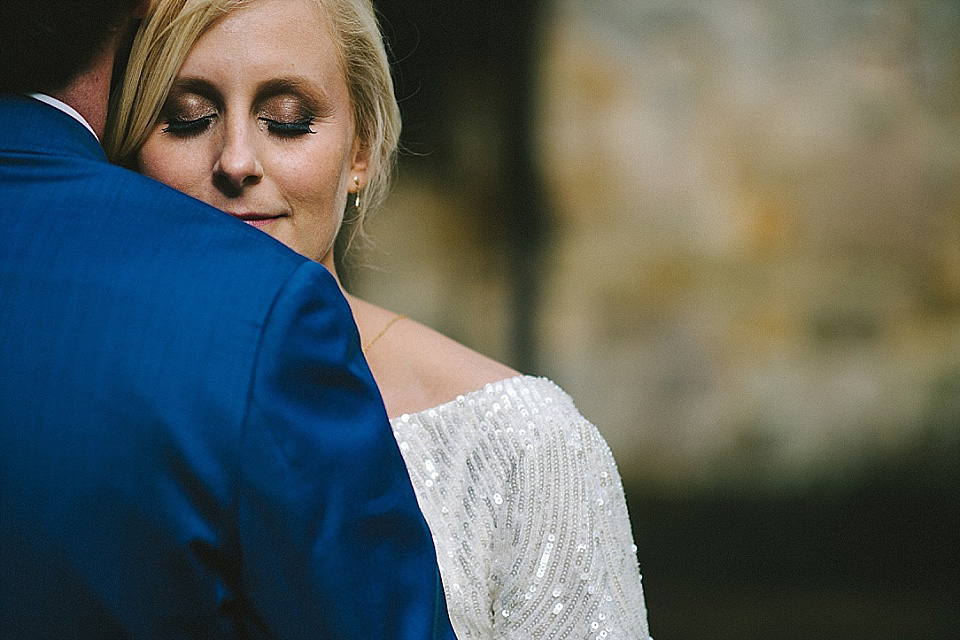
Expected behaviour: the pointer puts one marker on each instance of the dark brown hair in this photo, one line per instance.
(44, 44)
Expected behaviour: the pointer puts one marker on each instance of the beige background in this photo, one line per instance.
(753, 276)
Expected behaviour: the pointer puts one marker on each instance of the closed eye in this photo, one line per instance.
(289, 129)
(188, 128)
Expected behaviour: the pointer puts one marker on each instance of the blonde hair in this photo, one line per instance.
(173, 26)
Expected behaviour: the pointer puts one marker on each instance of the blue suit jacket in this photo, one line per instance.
(191, 445)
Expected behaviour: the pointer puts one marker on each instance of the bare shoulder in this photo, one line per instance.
(418, 368)
(422, 368)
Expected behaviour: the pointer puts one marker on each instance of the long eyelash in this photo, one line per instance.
(291, 129)
(188, 127)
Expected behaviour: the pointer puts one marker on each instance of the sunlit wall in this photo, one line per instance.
(752, 277)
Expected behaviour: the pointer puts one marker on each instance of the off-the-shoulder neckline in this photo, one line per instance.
(475, 394)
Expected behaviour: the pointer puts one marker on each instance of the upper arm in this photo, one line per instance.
(330, 529)
(573, 571)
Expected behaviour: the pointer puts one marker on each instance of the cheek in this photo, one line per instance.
(316, 188)
(319, 183)
(150, 159)
(173, 167)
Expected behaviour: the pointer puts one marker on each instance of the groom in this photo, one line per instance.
(191, 445)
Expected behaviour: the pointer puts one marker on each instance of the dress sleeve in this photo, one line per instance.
(569, 567)
(331, 539)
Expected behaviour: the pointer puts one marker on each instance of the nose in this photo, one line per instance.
(238, 164)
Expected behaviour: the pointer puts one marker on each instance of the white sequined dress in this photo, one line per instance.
(528, 516)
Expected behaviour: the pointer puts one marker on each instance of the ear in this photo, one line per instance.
(359, 166)
(141, 8)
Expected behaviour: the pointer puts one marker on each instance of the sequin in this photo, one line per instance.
(535, 535)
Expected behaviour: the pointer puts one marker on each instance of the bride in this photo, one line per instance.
(282, 114)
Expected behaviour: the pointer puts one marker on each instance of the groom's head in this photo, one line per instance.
(46, 44)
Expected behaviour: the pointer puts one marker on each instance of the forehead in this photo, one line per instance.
(268, 36)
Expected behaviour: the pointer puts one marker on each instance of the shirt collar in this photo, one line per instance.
(67, 109)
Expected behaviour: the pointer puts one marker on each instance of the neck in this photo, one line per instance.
(89, 92)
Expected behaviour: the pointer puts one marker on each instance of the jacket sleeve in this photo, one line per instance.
(332, 542)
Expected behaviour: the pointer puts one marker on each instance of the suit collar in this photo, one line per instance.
(28, 125)
(67, 109)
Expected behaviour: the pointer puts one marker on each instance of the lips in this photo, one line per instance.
(255, 219)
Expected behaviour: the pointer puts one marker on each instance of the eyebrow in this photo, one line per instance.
(190, 84)
(184, 85)
(299, 86)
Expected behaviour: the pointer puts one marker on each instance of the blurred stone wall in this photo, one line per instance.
(753, 275)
